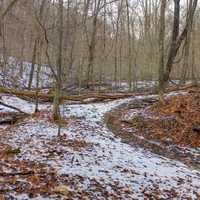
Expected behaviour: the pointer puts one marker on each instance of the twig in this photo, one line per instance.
(12, 107)
(17, 173)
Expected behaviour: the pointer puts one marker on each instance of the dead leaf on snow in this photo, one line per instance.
(62, 189)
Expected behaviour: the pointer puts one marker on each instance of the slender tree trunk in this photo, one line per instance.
(162, 47)
(177, 39)
(120, 56)
(21, 70)
(129, 47)
(4, 49)
(56, 103)
(116, 44)
(38, 75)
(33, 64)
(187, 45)
(193, 63)
(39, 55)
(91, 56)
(101, 71)
(92, 45)
(173, 47)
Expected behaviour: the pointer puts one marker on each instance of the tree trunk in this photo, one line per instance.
(162, 47)
(187, 45)
(32, 64)
(92, 45)
(176, 39)
(56, 103)
(38, 77)
(173, 47)
(129, 47)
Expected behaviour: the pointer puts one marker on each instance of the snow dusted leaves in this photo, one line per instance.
(102, 161)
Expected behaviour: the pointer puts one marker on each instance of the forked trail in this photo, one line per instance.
(124, 171)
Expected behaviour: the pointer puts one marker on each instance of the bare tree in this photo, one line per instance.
(56, 109)
(162, 45)
(130, 70)
(177, 39)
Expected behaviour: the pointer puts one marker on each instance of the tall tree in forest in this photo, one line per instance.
(39, 51)
(162, 46)
(56, 103)
(92, 42)
(187, 45)
(177, 39)
(3, 14)
(130, 70)
(119, 10)
(33, 62)
(194, 73)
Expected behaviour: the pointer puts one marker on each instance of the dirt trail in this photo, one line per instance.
(119, 121)
(124, 171)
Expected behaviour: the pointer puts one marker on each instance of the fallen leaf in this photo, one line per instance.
(62, 189)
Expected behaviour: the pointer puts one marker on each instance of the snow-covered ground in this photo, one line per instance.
(21, 104)
(124, 85)
(12, 77)
(141, 85)
(105, 159)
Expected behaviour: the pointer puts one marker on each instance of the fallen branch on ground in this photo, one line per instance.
(84, 98)
(17, 173)
(12, 107)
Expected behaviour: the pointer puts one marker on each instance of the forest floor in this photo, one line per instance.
(170, 128)
(90, 160)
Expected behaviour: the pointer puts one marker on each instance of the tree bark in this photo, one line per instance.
(33, 64)
(129, 47)
(9, 7)
(56, 103)
(177, 39)
(162, 47)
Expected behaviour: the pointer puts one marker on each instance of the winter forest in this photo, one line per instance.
(99, 99)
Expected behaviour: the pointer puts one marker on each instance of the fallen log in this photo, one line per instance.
(94, 97)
